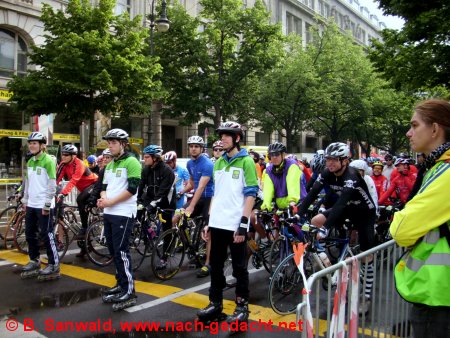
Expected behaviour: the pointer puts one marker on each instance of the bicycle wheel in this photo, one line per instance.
(20, 241)
(278, 251)
(198, 242)
(286, 285)
(139, 246)
(168, 255)
(61, 239)
(96, 249)
(8, 218)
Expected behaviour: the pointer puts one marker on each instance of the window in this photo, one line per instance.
(293, 24)
(308, 33)
(310, 143)
(262, 139)
(122, 6)
(13, 54)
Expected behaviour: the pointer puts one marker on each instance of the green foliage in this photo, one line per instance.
(286, 93)
(219, 64)
(418, 55)
(347, 81)
(91, 60)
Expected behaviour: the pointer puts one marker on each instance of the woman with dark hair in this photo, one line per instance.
(422, 275)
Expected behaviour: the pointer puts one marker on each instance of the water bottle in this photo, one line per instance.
(324, 258)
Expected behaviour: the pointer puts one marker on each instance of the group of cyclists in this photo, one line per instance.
(227, 190)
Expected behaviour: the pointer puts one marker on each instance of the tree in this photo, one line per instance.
(419, 55)
(346, 82)
(285, 93)
(223, 54)
(91, 60)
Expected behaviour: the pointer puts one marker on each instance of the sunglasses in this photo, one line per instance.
(65, 154)
(275, 154)
(218, 149)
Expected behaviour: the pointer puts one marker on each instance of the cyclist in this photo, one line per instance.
(401, 184)
(157, 187)
(255, 156)
(95, 194)
(236, 185)
(353, 202)
(281, 182)
(317, 166)
(38, 203)
(217, 151)
(381, 182)
(200, 171)
(388, 167)
(92, 164)
(181, 177)
(118, 198)
(363, 168)
(75, 171)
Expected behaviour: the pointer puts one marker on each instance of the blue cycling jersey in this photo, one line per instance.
(199, 167)
(181, 176)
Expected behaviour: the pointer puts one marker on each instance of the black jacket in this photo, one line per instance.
(158, 184)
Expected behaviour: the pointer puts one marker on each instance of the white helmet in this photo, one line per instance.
(116, 134)
(69, 149)
(196, 140)
(337, 150)
(107, 152)
(170, 156)
(359, 164)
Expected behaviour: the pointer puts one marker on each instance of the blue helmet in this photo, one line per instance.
(91, 159)
(153, 150)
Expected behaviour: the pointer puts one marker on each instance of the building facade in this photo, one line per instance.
(20, 28)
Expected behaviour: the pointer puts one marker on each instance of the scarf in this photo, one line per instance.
(429, 162)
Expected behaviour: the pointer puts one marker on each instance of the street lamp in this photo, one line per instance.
(161, 25)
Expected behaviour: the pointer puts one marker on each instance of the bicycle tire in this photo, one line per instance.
(286, 285)
(171, 253)
(61, 240)
(19, 239)
(198, 243)
(96, 248)
(139, 246)
(8, 220)
(277, 254)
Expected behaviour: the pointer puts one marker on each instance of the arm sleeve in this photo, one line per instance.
(251, 179)
(426, 211)
(79, 171)
(293, 183)
(25, 188)
(387, 193)
(338, 207)
(166, 184)
(51, 188)
(268, 193)
(134, 175)
(309, 199)
(95, 194)
(142, 184)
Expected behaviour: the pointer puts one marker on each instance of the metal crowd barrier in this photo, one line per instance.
(335, 312)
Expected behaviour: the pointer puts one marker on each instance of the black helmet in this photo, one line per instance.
(230, 127)
(37, 136)
(276, 147)
(116, 134)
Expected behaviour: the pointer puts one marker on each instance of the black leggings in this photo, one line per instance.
(82, 203)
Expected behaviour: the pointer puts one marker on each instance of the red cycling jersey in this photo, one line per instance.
(412, 169)
(402, 185)
(80, 176)
(381, 183)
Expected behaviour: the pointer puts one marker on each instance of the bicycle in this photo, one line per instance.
(286, 284)
(289, 233)
(261, 253)
(144, 237)
(64, 221)
(9, 217)
(171, 247)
